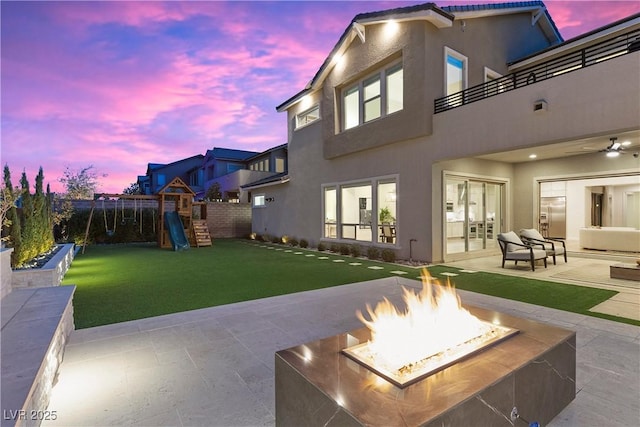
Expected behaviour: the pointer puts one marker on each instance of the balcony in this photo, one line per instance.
(605, 50)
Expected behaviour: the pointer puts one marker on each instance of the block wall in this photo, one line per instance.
(228, 220)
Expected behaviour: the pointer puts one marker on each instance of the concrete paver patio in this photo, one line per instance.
(215, 366)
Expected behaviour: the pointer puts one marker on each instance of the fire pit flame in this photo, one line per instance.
(433, 332)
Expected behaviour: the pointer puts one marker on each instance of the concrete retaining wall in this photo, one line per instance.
(51, 274)
(5, 272)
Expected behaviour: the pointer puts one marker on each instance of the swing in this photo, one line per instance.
(135, 211)
(141, 212)
(110, 232)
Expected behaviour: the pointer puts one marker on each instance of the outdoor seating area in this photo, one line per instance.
(514, 249)
(553, 247)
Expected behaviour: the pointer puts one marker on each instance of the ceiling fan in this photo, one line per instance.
(614, 149)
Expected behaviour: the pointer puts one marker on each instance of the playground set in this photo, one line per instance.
(178, 227)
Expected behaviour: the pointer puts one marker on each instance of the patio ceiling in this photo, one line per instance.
(569, 148)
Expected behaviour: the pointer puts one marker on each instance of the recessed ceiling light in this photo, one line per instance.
(626, 143)
(613, 154)
(533, 156)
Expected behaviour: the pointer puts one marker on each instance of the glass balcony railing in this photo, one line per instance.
(603, 51)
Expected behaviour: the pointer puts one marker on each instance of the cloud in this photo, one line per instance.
(121, 84)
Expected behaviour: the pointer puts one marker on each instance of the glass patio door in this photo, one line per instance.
(473, 214)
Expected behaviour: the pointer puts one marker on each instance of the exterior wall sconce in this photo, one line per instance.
(270, 199)
(540, 106)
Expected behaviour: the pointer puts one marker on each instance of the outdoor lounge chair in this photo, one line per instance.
(514, 249)
(552, 246)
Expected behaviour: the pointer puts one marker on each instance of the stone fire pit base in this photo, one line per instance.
(533, 371)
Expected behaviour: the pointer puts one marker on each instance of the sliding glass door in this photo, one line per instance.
(473, 214)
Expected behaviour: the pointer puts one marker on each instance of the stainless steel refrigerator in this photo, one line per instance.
(553, 217)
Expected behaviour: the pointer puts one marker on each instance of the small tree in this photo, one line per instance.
(9, 220)
(81, 184)
(133, 188)
(213, 192)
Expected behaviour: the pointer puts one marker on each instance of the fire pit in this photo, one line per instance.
(432, 333)
(319, 383)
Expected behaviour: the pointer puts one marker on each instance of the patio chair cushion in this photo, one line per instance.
(549, 246)
(531, 233)
(525, 254)
(512, 237)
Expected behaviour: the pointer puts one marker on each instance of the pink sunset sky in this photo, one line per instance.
(121, 84)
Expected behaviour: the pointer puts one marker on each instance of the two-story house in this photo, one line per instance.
(159, 174)
(232, 169)
(428, 130)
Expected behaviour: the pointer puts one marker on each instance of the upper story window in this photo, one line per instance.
(376, 96)
(279, 164)
(232, 167)
(258, 200)
(308, 116)
(495, 85)
(455, 74)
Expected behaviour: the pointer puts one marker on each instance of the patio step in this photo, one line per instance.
(201, 232)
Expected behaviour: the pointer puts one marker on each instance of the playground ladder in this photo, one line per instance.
(201, 232)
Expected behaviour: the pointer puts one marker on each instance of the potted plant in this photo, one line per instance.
(385, 216)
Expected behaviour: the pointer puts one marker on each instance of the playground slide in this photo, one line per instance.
(176, 231)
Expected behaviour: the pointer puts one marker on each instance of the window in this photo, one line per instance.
(496, 85)
(395, 93)
(362, 211)
(455, 75)
(232, 167)
(355, 214)
(258, 200)
(351, 108)
(372, 99)
(330, 213)
(376, 96)
(387, 211)
(279, 164)
(308, 116)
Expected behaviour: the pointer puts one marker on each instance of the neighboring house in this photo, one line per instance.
(158, 175)
(417, 132)
(229, 168)
(232, 169)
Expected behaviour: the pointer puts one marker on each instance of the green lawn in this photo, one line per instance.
(116, 283)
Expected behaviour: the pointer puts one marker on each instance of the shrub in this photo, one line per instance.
(334, 248)
(356, 250)
(373, 252)
(322, 247)
(345, 249)
(293, 241)
(266, 238)
(252, 236)
(304, 243)
(388, 255)
(275, 239)
(284, 239)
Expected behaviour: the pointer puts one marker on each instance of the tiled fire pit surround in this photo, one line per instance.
(534, 371)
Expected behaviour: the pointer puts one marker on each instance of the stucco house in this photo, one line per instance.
(160, 174)
(232, 169)
(428, 130)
